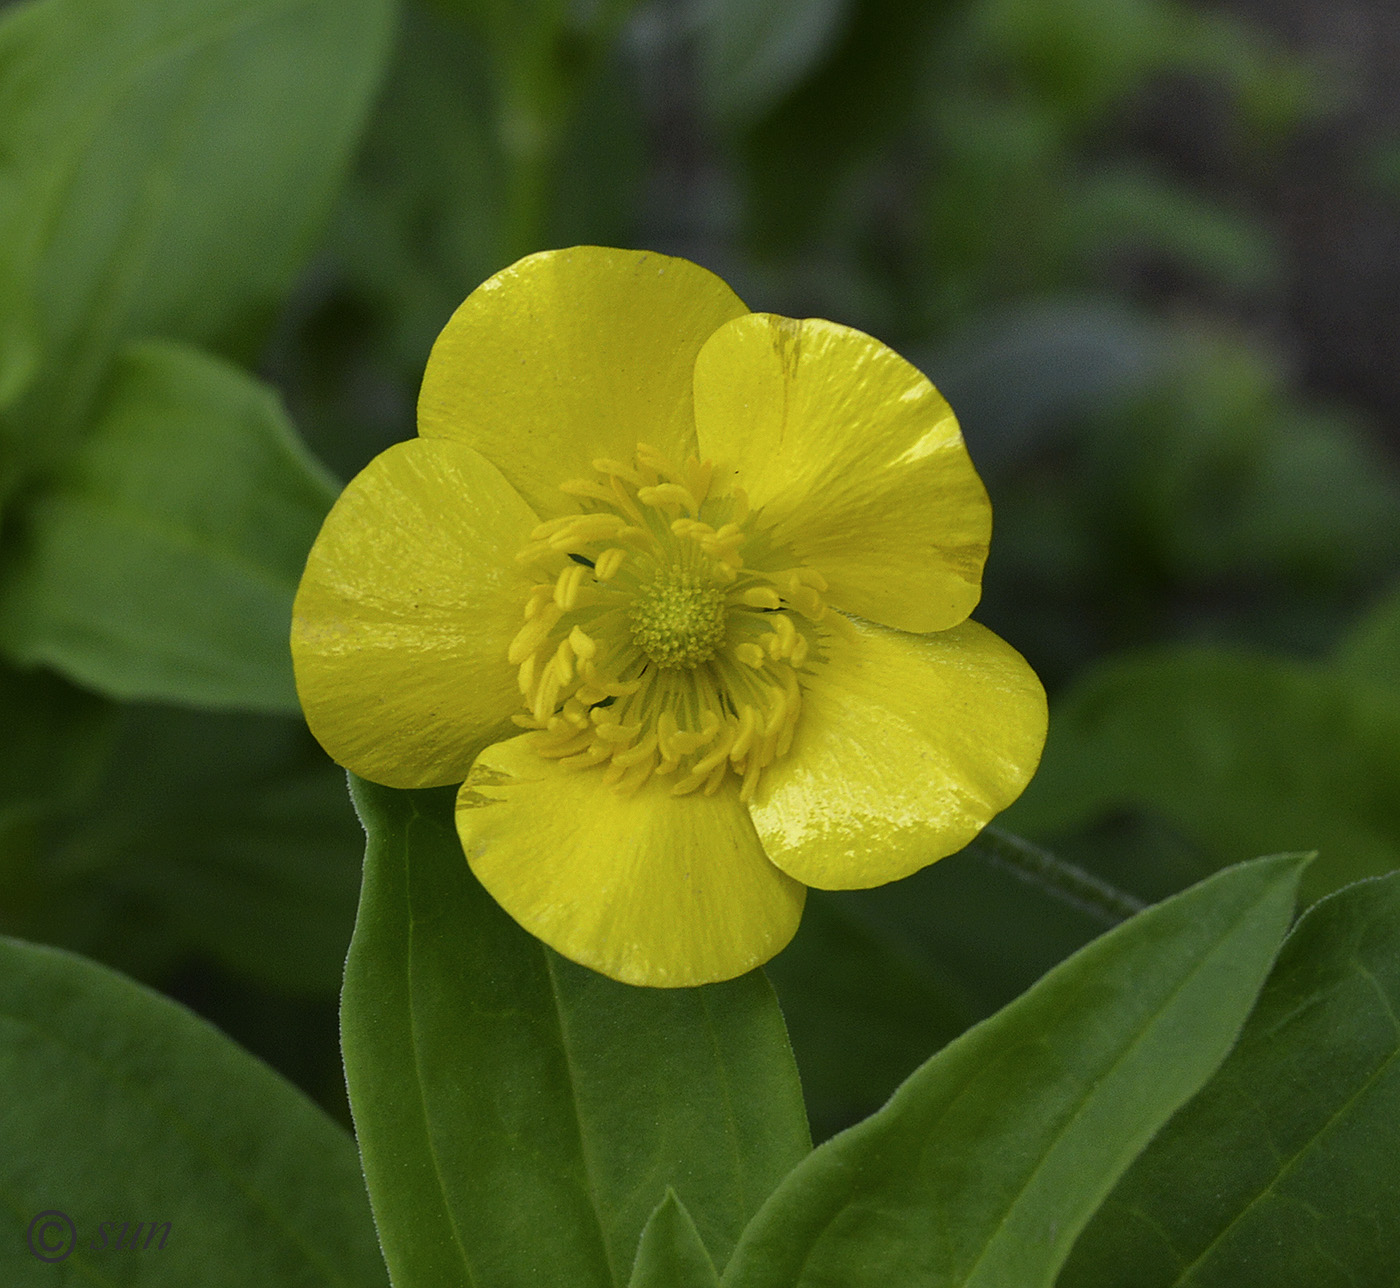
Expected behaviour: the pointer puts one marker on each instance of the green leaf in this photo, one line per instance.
(121, 1106)
(229, 837)
(991, 1157)
(876, 979)
(519, 1116)
(671, 1253)
(165, 167)
(1282, 1170)
(1244, 752)
(163, 561)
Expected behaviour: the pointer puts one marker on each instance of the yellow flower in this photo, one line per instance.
(681, 592)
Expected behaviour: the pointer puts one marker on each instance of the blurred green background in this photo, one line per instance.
(1149, 250)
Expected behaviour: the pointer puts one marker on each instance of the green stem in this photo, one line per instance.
(1055, 877)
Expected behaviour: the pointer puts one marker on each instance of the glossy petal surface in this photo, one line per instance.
(572, 355)
(856, 460)
(907, 747)
(406, 611)
(649, 889)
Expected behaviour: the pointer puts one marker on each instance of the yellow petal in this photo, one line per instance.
(906, 747)
(649, 888)
(856, 461)
(405, 614)
(572, 355)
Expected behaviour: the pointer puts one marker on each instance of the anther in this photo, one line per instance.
(566, 588)
(608, 563)
(750, 654)
(664, 495)
(645, 615)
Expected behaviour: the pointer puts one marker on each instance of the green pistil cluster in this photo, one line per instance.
(678, 620)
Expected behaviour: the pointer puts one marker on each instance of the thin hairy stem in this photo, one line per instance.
(1055, 877)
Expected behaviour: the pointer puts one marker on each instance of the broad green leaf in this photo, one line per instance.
(164, 167)
(121, 1106)
(224, 836)
(1243, 752)
(751, 55)
(671, 1253)
(519, 1116)
(163, 561)
(991, 1157)
(1282, 1171)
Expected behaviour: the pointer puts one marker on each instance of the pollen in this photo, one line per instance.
(667, 636)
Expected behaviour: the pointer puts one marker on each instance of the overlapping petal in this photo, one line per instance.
(648, 888)
(572, 355)
(405, 614)
(856, 460)
(909, 740)
(908, 745)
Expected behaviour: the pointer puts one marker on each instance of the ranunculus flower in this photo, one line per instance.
(680, 594)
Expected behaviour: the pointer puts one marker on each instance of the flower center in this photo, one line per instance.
(678, 620)
(668, 635)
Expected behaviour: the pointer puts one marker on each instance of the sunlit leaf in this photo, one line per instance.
(521, 1117)
(991, 1157)
(163, 169)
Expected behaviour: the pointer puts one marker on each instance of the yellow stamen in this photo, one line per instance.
(608, 563)
(652, 645)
